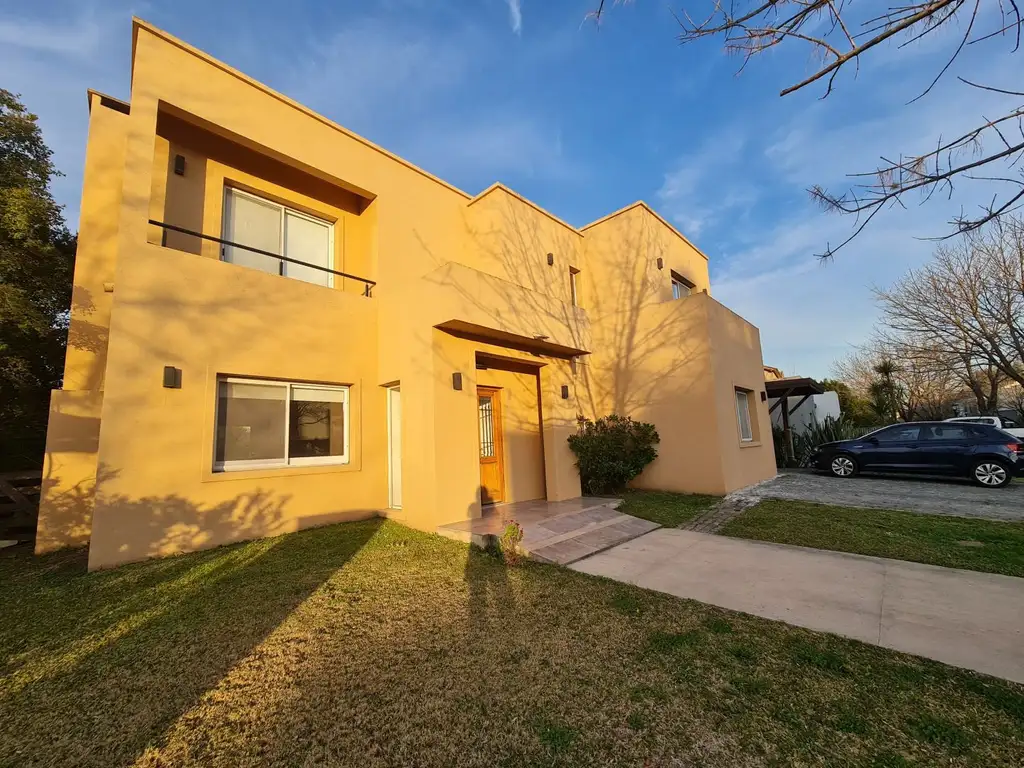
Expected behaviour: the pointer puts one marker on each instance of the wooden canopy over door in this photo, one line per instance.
(492, 449)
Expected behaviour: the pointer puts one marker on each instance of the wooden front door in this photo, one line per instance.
(492, 454)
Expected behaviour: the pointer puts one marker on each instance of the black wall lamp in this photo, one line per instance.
(172, 377)
(457, 381)
(179, 165)
(551, 259)
(764, 395)
(661, 263)
(565, 392)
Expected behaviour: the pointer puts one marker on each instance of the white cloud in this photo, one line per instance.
(79, 39)
(417, 99)
(515, 15)
(693, 195)
(496, 143)
(371, 69)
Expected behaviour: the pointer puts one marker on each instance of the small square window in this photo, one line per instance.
(681, 286)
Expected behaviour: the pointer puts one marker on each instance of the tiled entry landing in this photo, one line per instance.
(559, 532)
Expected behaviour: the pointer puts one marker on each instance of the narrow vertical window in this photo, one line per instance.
(574, 275)
(486, 427)
(743, 416)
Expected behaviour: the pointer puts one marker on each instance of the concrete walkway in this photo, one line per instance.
(968, 619)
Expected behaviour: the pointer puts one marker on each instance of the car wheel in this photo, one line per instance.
(990, 473)
(843, 465)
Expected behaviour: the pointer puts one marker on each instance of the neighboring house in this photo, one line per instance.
(805, 408)
(417, 352)
(1011, 404)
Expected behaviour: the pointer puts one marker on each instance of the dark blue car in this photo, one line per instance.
(985, 454)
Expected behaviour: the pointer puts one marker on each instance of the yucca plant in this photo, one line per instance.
(828, 430)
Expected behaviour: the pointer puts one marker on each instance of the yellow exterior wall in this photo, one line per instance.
(736, 355)
(70, 461)
(674, 363)
(69, 470)
(156, 444)
(456, 277)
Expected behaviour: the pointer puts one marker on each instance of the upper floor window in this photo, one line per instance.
(270, 226)
(574, 290)
(681, 286)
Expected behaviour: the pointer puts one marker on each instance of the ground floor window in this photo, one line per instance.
(743, 415)
(264, 423)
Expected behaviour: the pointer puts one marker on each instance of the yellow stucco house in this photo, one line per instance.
(277, 324)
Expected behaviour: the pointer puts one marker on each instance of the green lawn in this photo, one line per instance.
(667, 509)
(954, 542)
(368, 644)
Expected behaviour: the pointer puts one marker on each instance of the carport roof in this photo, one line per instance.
(794, 386)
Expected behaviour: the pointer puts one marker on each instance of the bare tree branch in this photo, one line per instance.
(832, 31)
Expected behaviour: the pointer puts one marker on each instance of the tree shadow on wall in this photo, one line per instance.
(639, 342)
(113, 658)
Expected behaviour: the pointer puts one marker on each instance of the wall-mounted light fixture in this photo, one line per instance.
(179, 165)
(172, 377)
(551, 259)
(764, 396)
(457, 381)
(661, 263)
(565, 392)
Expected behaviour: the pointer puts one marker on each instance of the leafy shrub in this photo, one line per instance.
(509, 543)
(828, 430)
(612, 451)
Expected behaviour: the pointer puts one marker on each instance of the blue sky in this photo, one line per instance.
(579, 119)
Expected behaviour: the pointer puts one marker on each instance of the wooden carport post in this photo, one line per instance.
(787, 433)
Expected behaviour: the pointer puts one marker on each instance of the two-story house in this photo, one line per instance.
(277, 324)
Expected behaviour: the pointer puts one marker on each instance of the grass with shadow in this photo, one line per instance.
(953, 542)
(664, 508)
(369, 644)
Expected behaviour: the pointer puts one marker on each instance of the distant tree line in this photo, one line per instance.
(950, 333)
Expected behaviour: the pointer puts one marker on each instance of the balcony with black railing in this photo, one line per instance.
(262, 259)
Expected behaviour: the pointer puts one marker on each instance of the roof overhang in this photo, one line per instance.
(536, 345)
(793, 387)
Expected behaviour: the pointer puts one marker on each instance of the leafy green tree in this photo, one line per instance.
(886, 394)
(854, 408)
(36, 271)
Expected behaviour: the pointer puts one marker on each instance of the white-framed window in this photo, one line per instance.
(680, 286)
(574, 275)
(743, 415)
(264, 424)
(260, 223)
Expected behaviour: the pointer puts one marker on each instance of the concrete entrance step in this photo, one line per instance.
(559, 532)
(592, 539)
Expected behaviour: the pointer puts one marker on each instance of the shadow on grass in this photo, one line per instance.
(116, 657)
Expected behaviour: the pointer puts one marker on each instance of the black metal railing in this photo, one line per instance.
(367, 291)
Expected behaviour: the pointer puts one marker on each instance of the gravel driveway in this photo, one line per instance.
(936, 497)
